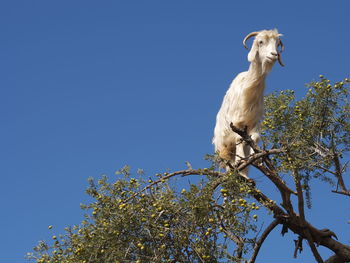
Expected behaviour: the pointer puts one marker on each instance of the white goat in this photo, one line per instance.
(243, 103)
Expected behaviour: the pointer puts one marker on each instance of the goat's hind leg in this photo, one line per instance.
(228, 153)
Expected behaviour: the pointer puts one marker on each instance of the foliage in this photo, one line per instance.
(311, 130)
(157, 225)
(133, 219)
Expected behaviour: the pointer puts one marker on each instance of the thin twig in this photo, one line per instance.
(302, 217)
(237, 239)
(195, 250)
(252, 158)
(338, 169)
(298, 246)
(325, 169)
(300, 195)
(341, 192)
(168, 176)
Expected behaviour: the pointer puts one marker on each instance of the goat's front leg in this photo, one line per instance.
(255, 135)
(242, 152)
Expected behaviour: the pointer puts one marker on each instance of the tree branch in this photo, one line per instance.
(281, 186)
(290, 220)
(296, 223)
(246, 137)
(254, 157)
(168, 176)
(342, 193)
(314, 250)
(338, 169)
(298, 246)
(261, 240)
(321, 237)
(302, 217)
(335, 259)
(272, 175)
(237, 239)
(300, 195)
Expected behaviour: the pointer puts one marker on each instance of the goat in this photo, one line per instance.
(243, 103)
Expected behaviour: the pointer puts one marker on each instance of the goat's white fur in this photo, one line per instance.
(243, 103)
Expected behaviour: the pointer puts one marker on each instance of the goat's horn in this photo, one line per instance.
(282, 46)
(252, 34)
(280, 60)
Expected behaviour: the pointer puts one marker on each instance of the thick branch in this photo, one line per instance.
(313, 247)
(296, 223)
(321, 237)
(335, 259)
(285, 191)
(261, 240)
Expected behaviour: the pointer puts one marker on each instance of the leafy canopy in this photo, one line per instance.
(134, 219)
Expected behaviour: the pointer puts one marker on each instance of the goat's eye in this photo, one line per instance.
(261, 42)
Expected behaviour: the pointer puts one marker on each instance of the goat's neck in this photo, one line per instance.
(257, 75)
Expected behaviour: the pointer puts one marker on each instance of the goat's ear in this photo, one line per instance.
(253, 52)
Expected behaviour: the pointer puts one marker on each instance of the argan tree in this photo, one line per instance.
(140, 218)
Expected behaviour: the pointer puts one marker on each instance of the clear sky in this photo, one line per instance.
(89, 86)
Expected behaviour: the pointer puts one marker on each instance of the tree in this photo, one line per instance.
(147, 220)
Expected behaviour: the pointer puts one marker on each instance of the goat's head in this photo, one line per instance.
(266, 48)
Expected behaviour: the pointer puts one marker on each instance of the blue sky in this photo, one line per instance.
(89, 86)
